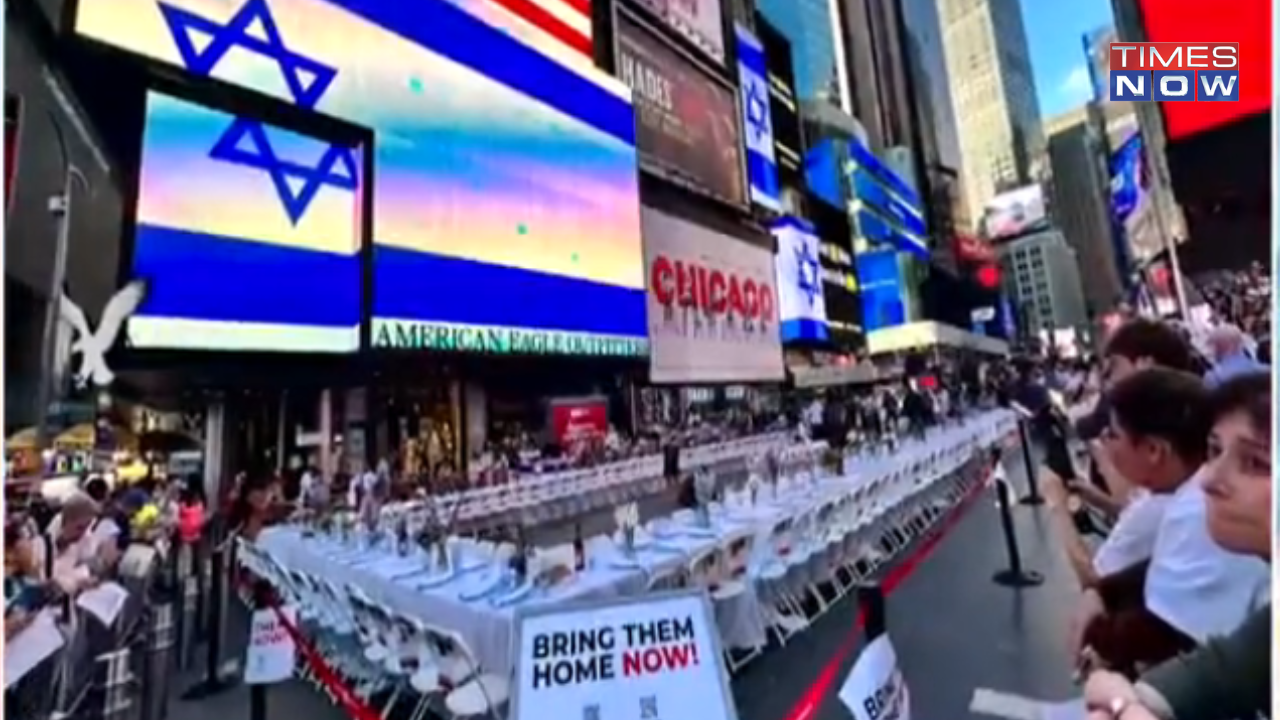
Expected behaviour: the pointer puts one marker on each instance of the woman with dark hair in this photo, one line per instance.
(252, 507)
(1227, 677)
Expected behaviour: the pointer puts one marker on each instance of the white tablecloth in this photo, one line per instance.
(396, 582)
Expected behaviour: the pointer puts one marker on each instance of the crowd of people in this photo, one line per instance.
(1242, 299)
(53, 554)
(1167, 524)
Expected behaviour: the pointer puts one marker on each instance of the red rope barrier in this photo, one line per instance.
(356, 708)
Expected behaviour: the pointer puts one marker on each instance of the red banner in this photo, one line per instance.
(576, 419)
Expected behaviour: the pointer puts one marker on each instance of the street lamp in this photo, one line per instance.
(59, 206)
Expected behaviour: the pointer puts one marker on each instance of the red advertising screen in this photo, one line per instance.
(1247, 22)
(576, 419)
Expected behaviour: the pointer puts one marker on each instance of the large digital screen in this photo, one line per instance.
(1015, 213)
(822, 173)
(247, 235)
(1247, 22)
(881, 279)
(505, 194)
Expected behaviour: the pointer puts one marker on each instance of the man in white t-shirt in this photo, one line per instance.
(1133, 537)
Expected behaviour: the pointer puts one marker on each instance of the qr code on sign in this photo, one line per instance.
(649, 707)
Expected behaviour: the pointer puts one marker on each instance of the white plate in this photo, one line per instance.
(434, 581)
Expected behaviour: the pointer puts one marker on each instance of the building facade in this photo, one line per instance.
(933, 126)
(1080, 202)
(1120, 116)
(1166, 216)
(1042, 276)
(997, 116)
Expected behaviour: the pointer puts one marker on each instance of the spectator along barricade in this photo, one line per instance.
(90, 617)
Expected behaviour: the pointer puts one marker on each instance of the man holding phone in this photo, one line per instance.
(1134, 346)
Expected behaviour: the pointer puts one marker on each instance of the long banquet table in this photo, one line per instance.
(401, 585)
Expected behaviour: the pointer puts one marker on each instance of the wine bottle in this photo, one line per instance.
(579, 549)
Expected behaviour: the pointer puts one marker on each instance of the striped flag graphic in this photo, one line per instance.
(566, 21)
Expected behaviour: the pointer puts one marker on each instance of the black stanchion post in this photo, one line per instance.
(1014, 575)
(214, 681)
(871, 602)
(1033, 488)
(258, 691)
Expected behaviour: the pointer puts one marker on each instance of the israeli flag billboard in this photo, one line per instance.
(762, 168)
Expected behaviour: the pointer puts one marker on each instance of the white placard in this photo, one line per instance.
(875, 689)
(31, 646)
(651, 658)
(271, 654)
(103, 602)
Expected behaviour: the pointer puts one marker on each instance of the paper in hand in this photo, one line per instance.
(103, 602)
(30, 647)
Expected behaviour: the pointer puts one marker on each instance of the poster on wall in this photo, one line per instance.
(713, 310)
(686, 122)
(802, 307)
(697, 21)
(505, 197)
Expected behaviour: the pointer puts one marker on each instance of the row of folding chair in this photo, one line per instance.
(388, 659)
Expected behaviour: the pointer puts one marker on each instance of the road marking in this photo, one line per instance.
(1004, 705)
(1020, 707)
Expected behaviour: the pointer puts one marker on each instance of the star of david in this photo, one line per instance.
(757, 111)
(807, 273)
(203, 43)
(246, 143)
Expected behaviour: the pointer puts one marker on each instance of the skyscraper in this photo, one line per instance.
(1119, 116)
(927, 63)
(818, 61)
(933, 123)
(1081, 194)
(1167, 218)
(997, 116)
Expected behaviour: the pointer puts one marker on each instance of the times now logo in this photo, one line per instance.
(1175, 72)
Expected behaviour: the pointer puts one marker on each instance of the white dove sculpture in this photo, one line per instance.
(94, 344)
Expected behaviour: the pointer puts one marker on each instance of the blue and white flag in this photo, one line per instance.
(802, 307)
(762, 169)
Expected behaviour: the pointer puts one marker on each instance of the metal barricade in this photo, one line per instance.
(157, 662)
